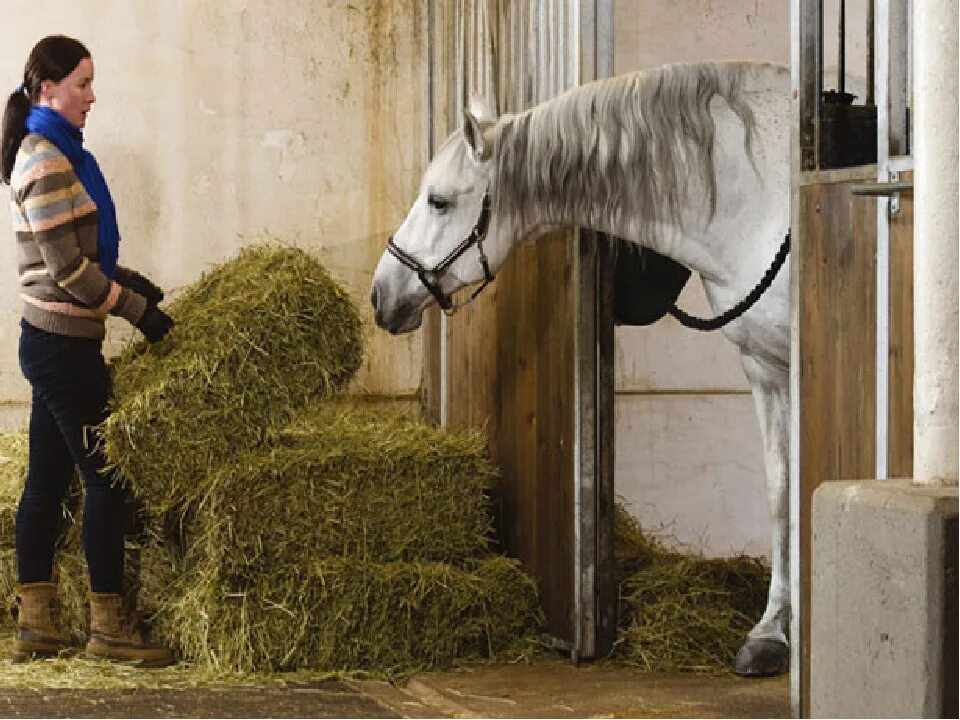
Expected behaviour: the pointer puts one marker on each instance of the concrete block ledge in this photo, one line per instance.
(884, 600)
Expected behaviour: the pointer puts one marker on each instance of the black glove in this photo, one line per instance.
(155, 323)
(142, 286)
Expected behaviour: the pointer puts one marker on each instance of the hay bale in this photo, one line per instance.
(679, 611)
(345, 479)
(256, 338)
(360, 541)
(13, 470)
(338, 614)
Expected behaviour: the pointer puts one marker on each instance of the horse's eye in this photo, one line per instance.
(438, 203)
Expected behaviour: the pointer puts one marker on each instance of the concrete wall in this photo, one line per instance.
(688, 454)
(220, 122)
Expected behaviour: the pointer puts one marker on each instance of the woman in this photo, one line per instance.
(67, 245)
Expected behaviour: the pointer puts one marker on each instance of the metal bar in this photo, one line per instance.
(818, 88)
(805, 66)
(890, 63)
(870, 53)
(585, 377)
(882, 189)
(900, 163)
(842, 47)
(802, 157)
(431, 80)
(494, 50)
(605, 38)
(543, 45)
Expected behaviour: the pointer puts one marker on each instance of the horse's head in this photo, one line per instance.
(450, 237)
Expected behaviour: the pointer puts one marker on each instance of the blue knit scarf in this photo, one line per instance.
(61, 132)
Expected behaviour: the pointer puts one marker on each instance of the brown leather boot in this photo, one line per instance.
(37, 636)
(114, 634)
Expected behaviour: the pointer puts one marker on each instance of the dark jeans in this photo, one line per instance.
(71, 385)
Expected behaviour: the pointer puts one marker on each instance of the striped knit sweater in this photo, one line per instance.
(61, 285)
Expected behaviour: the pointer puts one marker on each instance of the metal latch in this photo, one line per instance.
(891, 189)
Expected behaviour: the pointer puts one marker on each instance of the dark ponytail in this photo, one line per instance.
(14, 130)
(53, 58)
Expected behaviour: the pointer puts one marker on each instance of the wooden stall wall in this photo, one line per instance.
(838, 321)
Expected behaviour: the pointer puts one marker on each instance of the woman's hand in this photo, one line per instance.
(155, 323)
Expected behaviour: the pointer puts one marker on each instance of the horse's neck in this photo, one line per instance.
(749, 219)
(696, 241)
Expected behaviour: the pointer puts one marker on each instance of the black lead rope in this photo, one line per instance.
(741, 307)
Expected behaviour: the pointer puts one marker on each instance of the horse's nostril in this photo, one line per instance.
(373, 297)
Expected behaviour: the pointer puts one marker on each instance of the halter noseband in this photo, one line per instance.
(431, 277)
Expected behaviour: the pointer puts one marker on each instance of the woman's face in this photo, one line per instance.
(73, 96)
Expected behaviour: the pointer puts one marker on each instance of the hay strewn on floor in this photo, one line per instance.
(285, 530)
(679, 611)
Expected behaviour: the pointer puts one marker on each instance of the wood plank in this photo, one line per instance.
(853, 223)
(430, 393)
(900, 423)
(818, 330)
(555, 346)
(607, 589)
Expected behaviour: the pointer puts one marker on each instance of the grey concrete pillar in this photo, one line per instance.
(883, 639)
(935, 150)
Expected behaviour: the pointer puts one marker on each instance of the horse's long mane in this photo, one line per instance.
(636, 144)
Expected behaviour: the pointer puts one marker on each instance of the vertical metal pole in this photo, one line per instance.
(842, 48)
(584, 426)
(806, 55)
(891, 77)
(806, 68)
(870, 53)
(881, 392)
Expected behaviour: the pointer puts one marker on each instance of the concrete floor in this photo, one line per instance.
(546, 688)
(555, 688)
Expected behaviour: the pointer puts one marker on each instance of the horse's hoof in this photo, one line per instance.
(762, 657)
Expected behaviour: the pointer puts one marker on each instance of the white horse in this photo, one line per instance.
(689, 160)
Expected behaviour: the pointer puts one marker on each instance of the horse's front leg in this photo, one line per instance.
(766, 650)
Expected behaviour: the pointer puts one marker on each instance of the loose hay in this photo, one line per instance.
(682, 612)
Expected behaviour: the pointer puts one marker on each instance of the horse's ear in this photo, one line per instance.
(482, 109)
(477, 131)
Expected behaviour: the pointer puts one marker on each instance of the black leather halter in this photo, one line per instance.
(431, 277)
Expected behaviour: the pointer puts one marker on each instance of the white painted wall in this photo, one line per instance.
(688, 453)
(221, 121)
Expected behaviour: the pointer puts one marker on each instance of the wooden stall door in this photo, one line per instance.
(525, 360)
(838, 322)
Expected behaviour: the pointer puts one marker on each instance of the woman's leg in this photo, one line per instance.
(40, 512)
(71, 380)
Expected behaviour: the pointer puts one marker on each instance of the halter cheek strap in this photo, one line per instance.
(431, 277)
